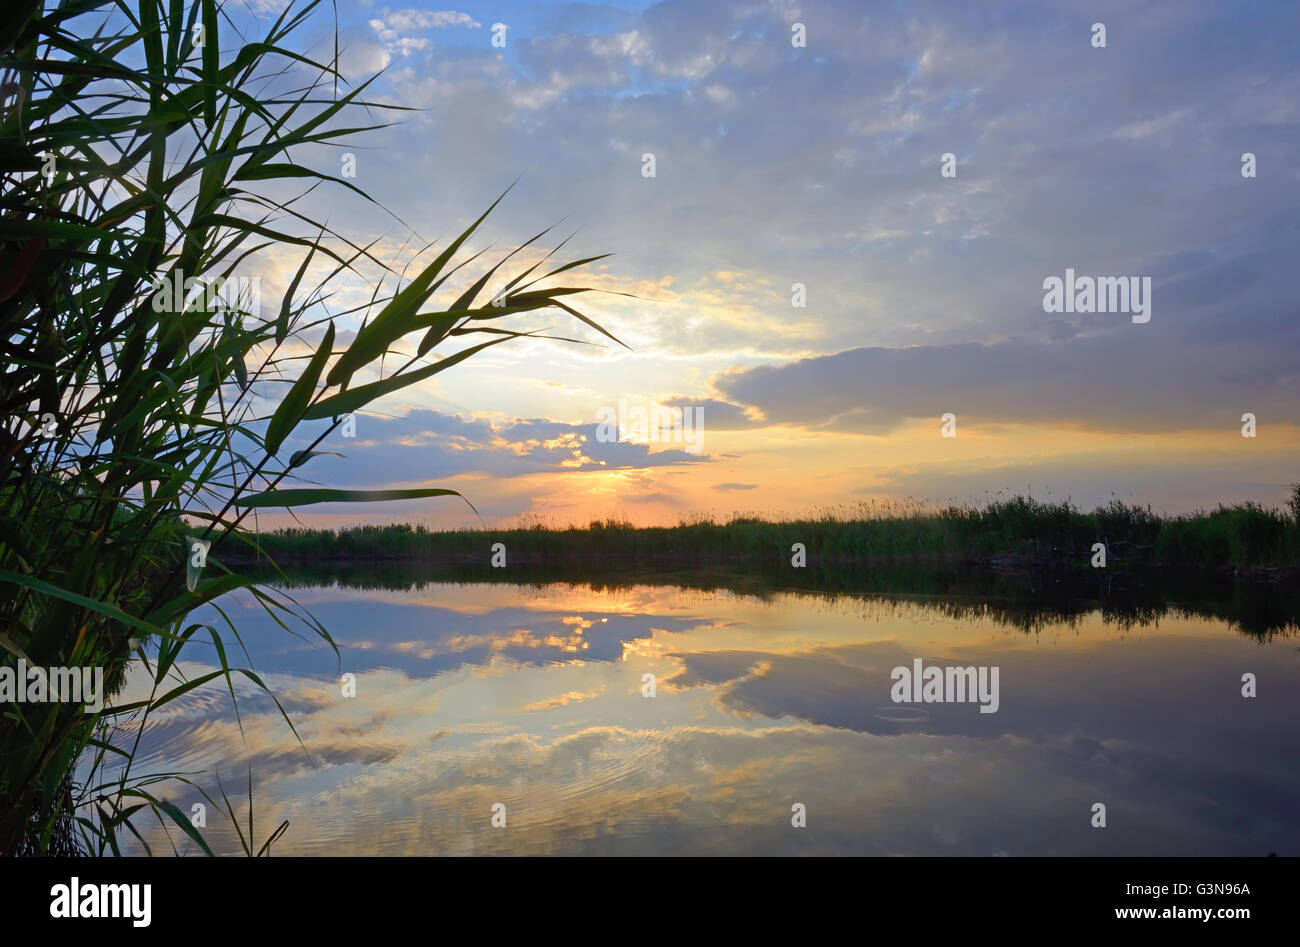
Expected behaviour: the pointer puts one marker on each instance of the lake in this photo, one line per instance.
(529, 705)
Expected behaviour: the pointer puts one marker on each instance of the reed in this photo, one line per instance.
(1242, 537)
(137, 424)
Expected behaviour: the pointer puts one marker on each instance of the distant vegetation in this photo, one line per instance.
(1019, 532)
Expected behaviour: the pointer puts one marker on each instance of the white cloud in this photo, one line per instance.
(390, 27)
(1145, 129)
(408, 20)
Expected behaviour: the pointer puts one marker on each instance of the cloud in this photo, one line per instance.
(375, 636)
(820, 166)
(361, 59)
(409, 20)
(716, 415)
(1131, 380)
(564, 700)
(390, 27)
(426, 445)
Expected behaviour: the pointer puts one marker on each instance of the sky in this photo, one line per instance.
(809, 275)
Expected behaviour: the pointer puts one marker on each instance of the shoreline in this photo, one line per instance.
(601, 561)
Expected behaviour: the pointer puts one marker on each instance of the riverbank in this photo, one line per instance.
(1019, 534)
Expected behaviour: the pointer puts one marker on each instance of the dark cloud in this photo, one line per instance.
(1136, 378)
(428, 445)
(716, 415)
(1042, 695)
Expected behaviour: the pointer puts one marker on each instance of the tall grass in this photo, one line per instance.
(133, 426)
(1032, 531)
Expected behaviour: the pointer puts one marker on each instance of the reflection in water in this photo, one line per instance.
(473, 694)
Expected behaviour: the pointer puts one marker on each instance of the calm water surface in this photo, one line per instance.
(531, 697)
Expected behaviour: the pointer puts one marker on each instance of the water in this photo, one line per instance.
(470, 696)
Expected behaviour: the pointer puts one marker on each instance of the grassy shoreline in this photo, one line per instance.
(1021, 533)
